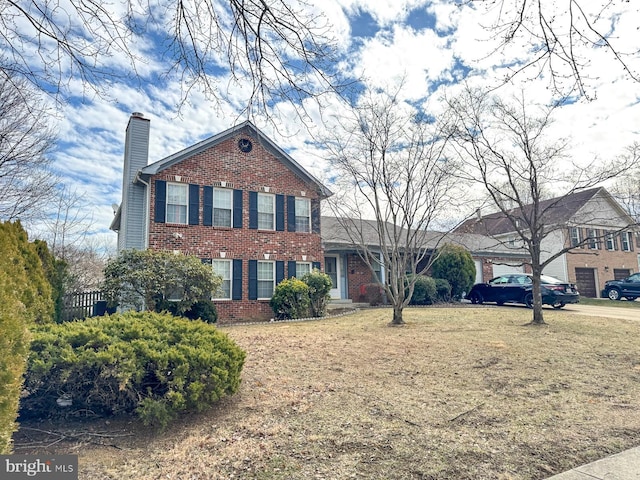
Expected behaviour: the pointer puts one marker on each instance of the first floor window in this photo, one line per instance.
(177, 197)
(266, 279)
(303, 215)
(302, 268)
(222, 207)
(223, 268)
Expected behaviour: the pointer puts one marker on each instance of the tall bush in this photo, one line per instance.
(455, 264)
(146, 278)
(319, 287)
(155, 366)
(25, 299)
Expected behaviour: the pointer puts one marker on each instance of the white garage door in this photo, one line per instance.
(500, 269)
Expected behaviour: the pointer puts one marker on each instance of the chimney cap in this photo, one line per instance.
(137, 114)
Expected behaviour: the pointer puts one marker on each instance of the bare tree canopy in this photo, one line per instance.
(26, 184)
(558, 39)
(509, 149)
(389, 166)
(282, 48)
(627, 188)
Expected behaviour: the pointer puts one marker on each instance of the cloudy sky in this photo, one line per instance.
(430, 45)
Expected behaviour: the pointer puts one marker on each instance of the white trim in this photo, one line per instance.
(273, 279)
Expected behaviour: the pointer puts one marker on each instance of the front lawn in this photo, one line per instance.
(605, 302)
(458, 393)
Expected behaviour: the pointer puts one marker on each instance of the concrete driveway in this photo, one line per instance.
(604, 311)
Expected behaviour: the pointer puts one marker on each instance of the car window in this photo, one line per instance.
(635, 278)
(550, 280)
(499, 280)
(522, 279)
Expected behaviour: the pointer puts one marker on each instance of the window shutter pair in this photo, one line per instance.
(161, 203)
(207, 207)
(253, 211)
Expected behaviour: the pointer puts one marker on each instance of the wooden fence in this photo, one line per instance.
(82, 305)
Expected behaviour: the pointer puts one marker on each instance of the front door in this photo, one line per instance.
(332, 268)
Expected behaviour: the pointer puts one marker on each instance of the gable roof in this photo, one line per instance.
(559, 210)
(250, 129)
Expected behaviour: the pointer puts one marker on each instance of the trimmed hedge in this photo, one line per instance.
(153, 365)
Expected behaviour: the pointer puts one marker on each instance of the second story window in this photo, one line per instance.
(303, 215)
(222, 207)
(177, 202)
(593, 239)
(266, 211)
(575, 235)
(625, 239)
(611, 241)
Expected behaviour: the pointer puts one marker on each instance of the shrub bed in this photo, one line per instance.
(152, 365)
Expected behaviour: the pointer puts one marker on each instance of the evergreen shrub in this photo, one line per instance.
(153, 365)
(424, 291)
(319, 287)
(290, 299)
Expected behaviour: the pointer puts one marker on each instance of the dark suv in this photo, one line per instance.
(628, 288)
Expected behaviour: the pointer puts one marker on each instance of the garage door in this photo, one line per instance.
(586, 282)
(499, 269)
(621, 273)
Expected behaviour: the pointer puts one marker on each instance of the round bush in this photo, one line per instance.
(424, 291)
(291, 299)
(149, 364)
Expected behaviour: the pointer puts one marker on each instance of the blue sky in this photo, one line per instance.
(430, 45)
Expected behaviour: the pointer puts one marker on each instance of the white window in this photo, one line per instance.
(177, 195)
(592, 234)
(576, 238)
(222, 207)
(223, 268)
(302, 268)
(611, 241)
(625, 237)
(266, 280)
(266, 212)
(303, 215)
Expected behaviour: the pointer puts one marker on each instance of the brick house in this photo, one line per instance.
(349, 273)
(605, 239)
(235, 200)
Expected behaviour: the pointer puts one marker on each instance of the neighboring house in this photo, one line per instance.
(350, 274)
(605, 238)
(235, 200)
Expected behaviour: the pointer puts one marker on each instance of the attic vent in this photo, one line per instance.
(265, 189)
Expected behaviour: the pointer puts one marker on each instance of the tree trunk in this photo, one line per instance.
(538, 318)
(397, 316)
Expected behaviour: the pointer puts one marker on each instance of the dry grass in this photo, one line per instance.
(466, 393)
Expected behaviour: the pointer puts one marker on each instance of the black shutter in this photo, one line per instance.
(315, 265)
(236, 288)
(315, 216)
(161, 201)
(291, 269)
(291, 213)
(207, 206)
(206, 261)
(279, 271)
(253, 210)
(237, 209)
(280, 213)
(194, 204)
(253, 279)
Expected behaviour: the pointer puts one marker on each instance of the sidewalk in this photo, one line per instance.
(622, 466)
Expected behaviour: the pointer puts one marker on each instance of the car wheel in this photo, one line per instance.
(528, 300)
(476, 298)
(558, 305)
(614, 294)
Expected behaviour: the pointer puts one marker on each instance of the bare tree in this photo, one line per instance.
(26, 183)
(388, 165)
(283, 48)
(508, 150)
(627, 189)
(558, 38)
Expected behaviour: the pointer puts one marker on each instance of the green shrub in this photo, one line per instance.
(319, 287)
(149, 364)
(455, 264)
(204, 310)
(25, 298)
(443, 290)
(290, 299)
(424, 291)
